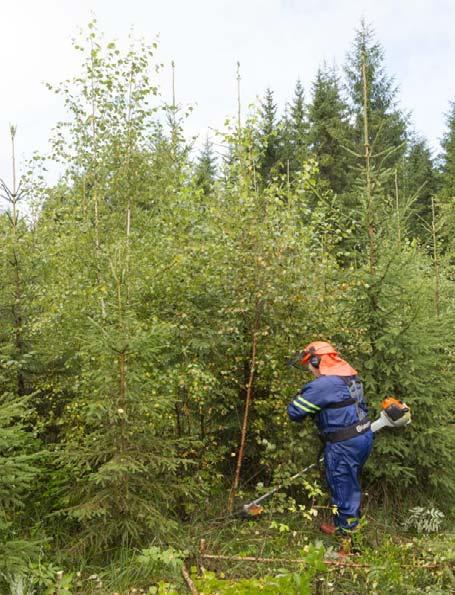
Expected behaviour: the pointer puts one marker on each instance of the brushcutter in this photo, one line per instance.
(394, 414)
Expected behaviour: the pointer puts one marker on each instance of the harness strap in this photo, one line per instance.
(355, 388)
(350, 432)
(341, 404)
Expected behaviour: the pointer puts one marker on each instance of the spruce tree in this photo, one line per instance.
(387, 124)
(117, 450)
(269, 137)
(418, 184)
(18, 447)
(448, 153)
(329, 131)
(405, 345)
(19, 469)
(295, 133)
(446, 196)
(205, 168)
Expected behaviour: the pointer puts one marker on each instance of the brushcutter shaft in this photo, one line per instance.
(275, 489)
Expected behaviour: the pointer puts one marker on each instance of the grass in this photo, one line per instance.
(387, 559)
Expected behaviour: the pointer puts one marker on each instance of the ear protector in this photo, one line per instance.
(305, 357)
(314, 360)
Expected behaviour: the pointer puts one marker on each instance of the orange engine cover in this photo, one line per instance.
(393, 401)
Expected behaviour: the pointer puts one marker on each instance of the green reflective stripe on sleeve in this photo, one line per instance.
(306, 409)
(308, 404)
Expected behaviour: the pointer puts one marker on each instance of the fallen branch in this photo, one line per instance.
(280, 560)
(335, 563)
(191, 586)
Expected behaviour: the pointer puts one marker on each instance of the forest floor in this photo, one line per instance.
(284, 554)
(385, 559)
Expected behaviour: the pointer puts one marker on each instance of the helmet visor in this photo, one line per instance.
(296, 359)
(305, 357)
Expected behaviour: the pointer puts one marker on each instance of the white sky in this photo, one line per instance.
(276, 42)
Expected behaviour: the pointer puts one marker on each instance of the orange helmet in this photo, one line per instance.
(325, 358)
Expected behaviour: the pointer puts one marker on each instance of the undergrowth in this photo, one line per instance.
(386, 558)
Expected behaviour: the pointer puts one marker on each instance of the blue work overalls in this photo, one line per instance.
(345, 458)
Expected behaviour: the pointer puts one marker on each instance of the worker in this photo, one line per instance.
(335, 398)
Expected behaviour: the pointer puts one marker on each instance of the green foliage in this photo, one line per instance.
(387, 124)
(447, 191)
(19, 459)
(154, 555)
(152, 570)
(269, 138)
(330, 131)
(448, 154)
(117, 409)
(420, 183)
(397, 346)
(384, 561)
(299, 582)
(18, 473)
(205, 169)
(150, 300)
(424, 520)
(295, 134)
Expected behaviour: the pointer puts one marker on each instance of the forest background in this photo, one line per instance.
(151, 298)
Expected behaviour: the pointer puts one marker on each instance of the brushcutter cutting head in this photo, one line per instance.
(251, 511)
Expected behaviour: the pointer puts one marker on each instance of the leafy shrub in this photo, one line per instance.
(424, 520)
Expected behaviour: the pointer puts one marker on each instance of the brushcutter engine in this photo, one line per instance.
(394, 414)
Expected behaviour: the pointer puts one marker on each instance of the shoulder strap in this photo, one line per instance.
(354, 390)
(341, 404)
(355, 387)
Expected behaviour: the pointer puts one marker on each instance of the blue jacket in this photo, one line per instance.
(323, 391)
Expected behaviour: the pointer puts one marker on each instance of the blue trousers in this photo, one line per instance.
(343, 463)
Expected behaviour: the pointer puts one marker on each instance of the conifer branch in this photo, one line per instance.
(350, 151)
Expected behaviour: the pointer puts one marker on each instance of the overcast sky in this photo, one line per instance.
(276, 42)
